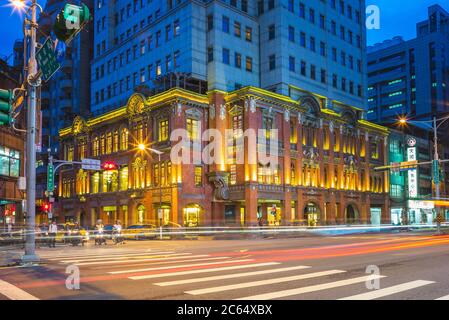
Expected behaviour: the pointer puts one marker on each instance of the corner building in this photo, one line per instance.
(324, 175)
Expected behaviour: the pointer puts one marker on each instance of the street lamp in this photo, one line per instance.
(434, 124)
(33, 82)
(143, 147)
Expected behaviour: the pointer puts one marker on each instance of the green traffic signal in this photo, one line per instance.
(70, 21)
(6, 98)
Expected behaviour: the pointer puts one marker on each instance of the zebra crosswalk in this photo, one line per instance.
(205, 276)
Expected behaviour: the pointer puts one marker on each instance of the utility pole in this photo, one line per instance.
(30, 246)
(436, 173)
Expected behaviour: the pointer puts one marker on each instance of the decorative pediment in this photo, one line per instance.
(79, 125)
(136, 104)
(194, 113)
(236, 110)
(350, 117)
(311, 104)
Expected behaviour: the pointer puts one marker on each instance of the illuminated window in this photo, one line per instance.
(116, 141)
(198, 176)
(163, 177)
(233, 174)
(192, 129)
(292, 174)
(169, 177)
(140, 133)
(95, 182)
(156, 175)
(124, 139)
(163, 130)
(9, 162)
(96, 147)
(102, 144)
(69, 153)
(124, 179)
(374, 150)
(109, 143)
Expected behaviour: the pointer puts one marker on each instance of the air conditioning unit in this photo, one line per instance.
(22, 184)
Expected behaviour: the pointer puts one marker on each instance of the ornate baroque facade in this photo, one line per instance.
(324, 175)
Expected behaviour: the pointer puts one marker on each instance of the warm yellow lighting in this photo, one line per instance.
(142, 147)
(18, 5)
(403, 121)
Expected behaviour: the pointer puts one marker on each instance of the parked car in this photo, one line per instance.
(140, 231)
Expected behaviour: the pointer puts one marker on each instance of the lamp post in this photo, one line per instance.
(33, 82)
(143, 147)
(434, 125)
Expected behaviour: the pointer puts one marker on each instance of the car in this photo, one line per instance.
(140, 231)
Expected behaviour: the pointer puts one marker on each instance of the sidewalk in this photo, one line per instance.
(9, 256)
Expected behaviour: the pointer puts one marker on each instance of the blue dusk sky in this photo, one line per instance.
(398, 18)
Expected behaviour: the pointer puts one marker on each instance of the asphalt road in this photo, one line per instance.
(399, 267)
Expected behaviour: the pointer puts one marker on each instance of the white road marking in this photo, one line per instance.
(14, 293)
(156, 258)
(170, 262)
(443, 298)
(263, 282)
(179, 266)
(229, 276)
(183, 273)
(124, 257)
(92, 256)
(389, 291)
(106, 254)
(319, 287)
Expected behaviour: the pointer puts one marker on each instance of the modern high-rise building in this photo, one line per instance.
(316, 46)
(411, 77)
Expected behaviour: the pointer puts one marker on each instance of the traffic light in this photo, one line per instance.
(70, 21)
(46, 207)
(109, 166)
(6, 98)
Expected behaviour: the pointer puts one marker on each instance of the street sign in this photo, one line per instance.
(408, 165)
(50, 178)
(46, 58)
(91, 164)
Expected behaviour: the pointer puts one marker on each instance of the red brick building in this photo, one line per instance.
(11, 158)
(324, 174)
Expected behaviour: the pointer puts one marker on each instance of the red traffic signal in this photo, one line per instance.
(109, 166)
(46, 207)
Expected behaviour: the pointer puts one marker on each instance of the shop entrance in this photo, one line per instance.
(192, 216)
(312, 214)
(352, 215)
(110, 215)
(274, 215)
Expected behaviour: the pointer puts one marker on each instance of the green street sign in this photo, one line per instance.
(46, 58)
(436, 171)
(50, 178)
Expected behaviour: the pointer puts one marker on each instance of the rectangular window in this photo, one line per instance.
(272, 62)
(192, 127)
(238, 60)
(9, 162)
(249, 64)
(163, 130)
(226, 53)
(198, 176)
(291, 63)
(225, 24)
